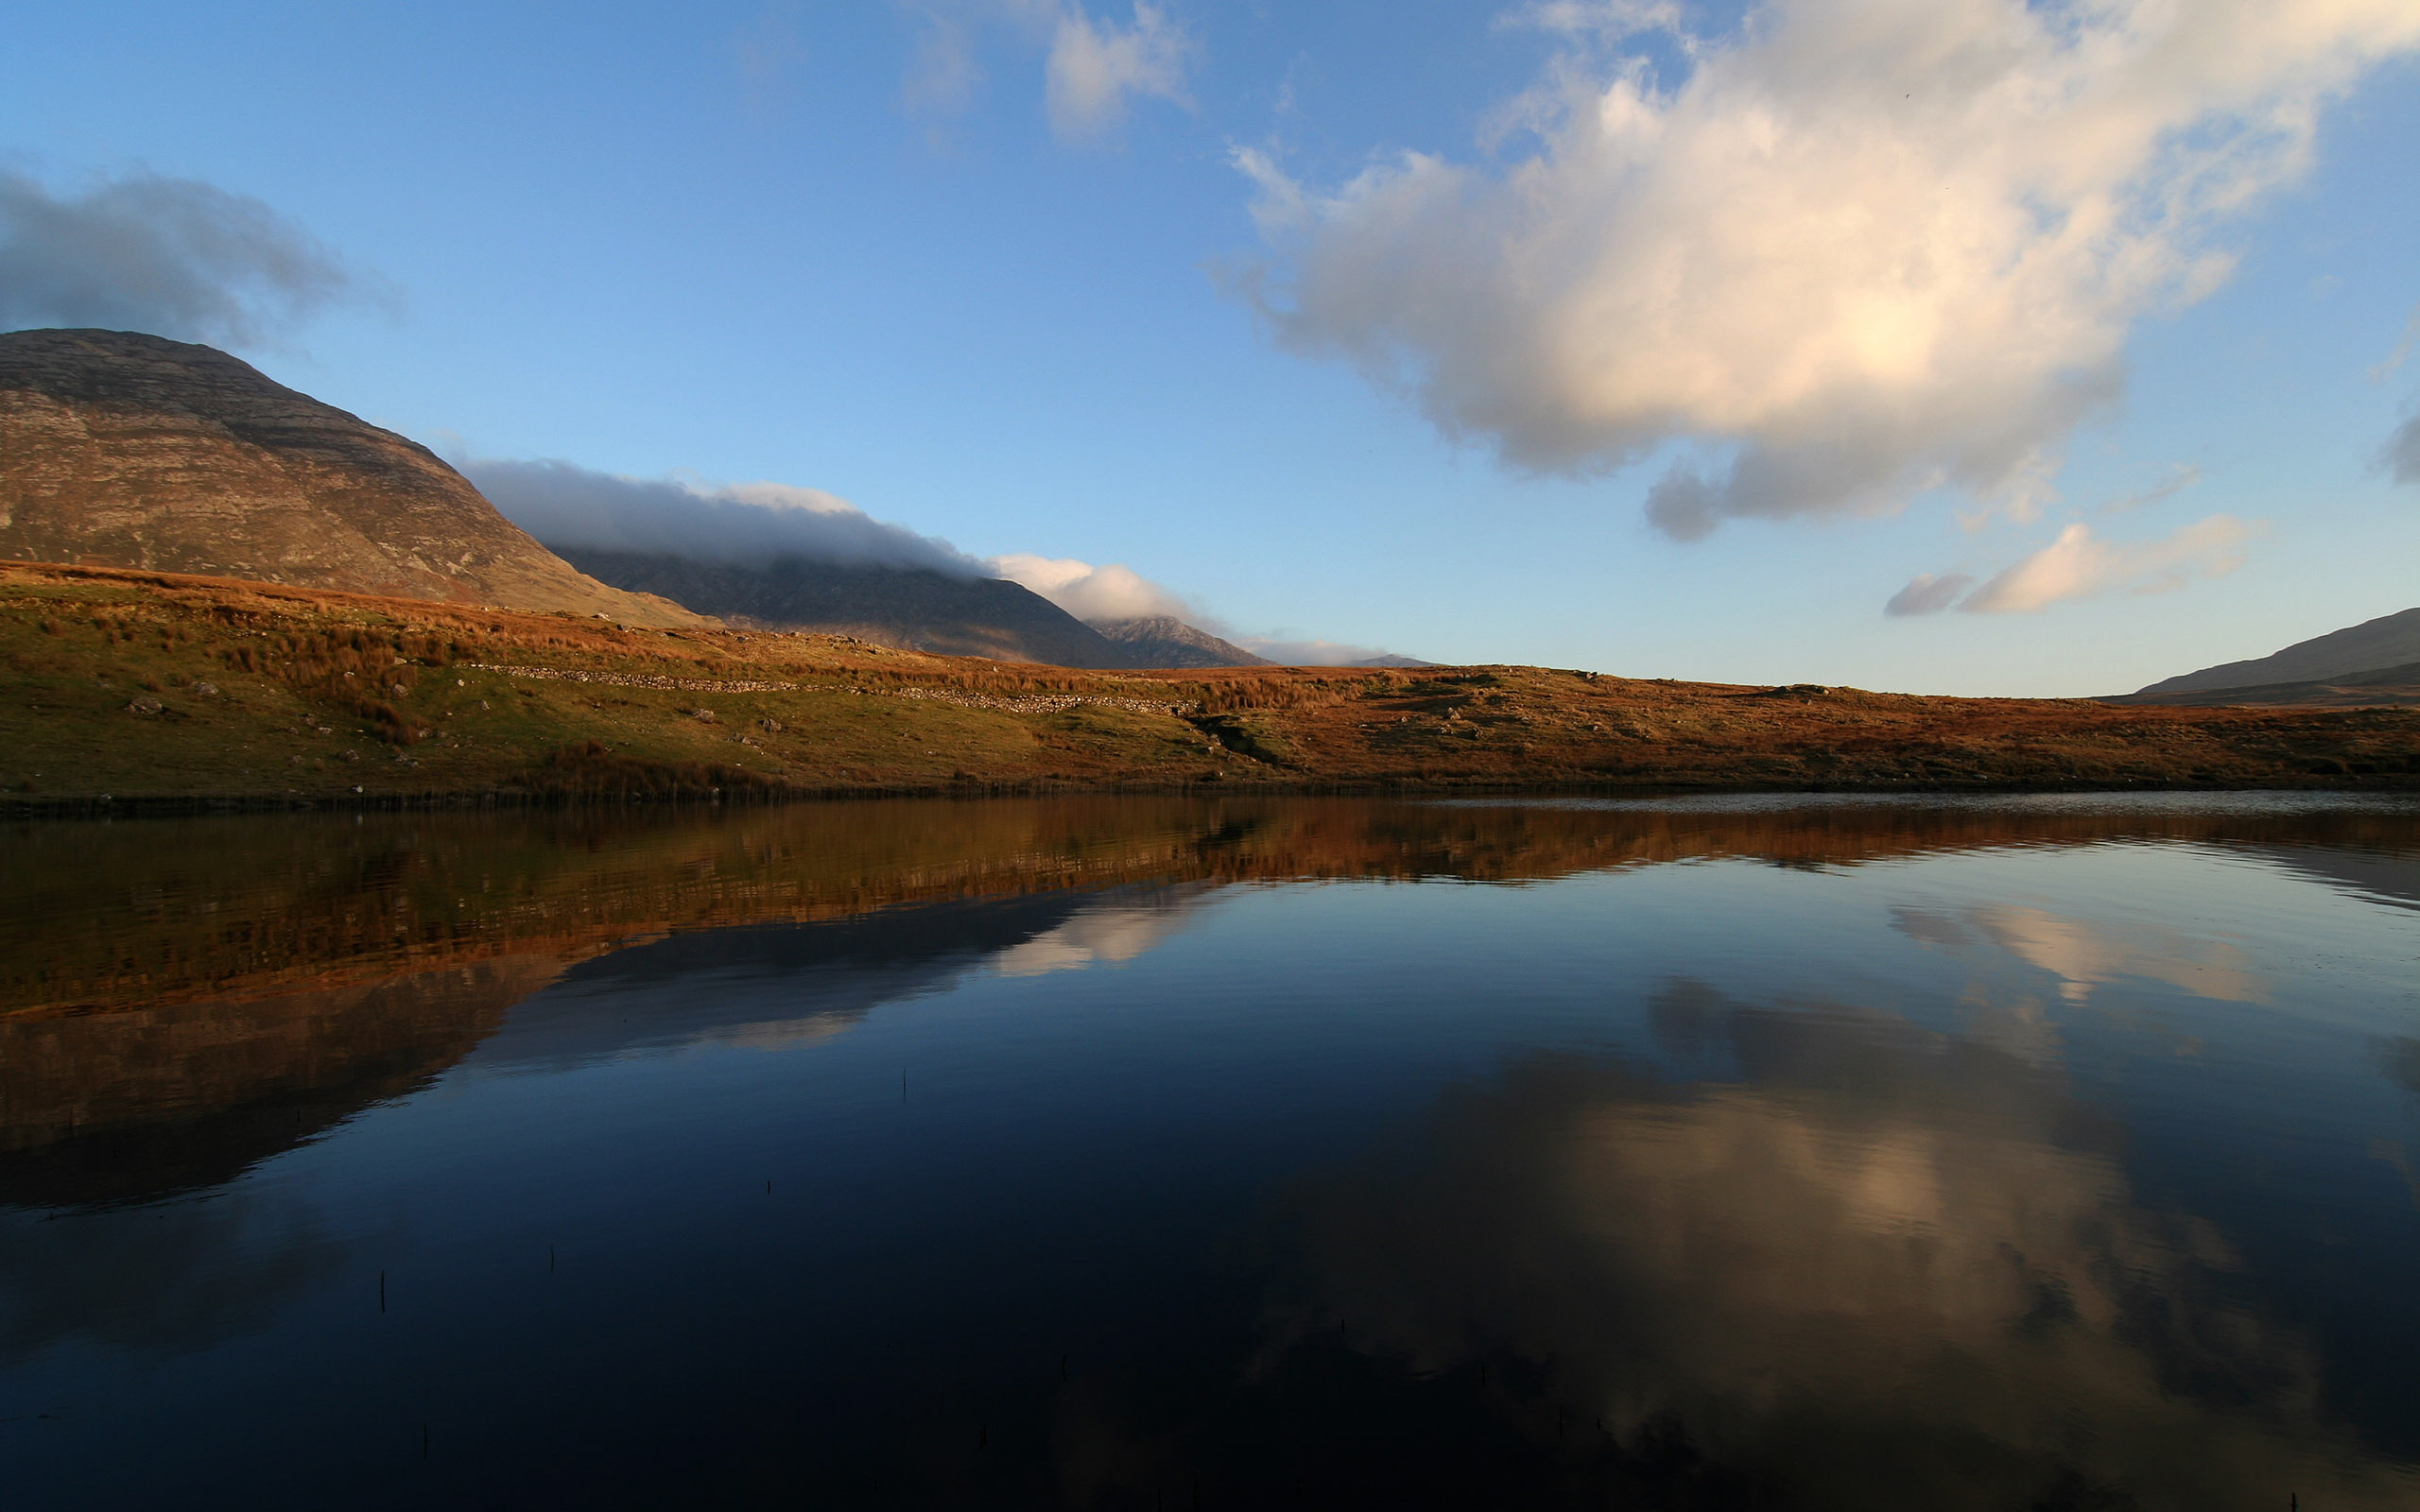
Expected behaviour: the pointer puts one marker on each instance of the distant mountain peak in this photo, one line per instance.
(1165, 641)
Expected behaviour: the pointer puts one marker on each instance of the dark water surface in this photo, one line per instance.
(2051, 1153)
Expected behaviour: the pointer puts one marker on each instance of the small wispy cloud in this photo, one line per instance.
(2401, 456)
(1594, 20)
(2080, 565)
(1097, 67)
(173, 257)
(767, 53)
(2402, 351)
(1928, 594)
(1311, 653)
(2180, 477)
(1094, 67)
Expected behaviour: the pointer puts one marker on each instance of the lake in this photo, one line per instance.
(2053, 1152)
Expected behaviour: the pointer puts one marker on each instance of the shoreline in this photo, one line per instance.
(21, 808)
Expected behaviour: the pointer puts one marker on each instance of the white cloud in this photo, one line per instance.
(740, 525)
(1866, 248)
(1090, 593)
(172, 257)
(1095, 67)
(1093, 70)
(2078, 566)
(2180, 477)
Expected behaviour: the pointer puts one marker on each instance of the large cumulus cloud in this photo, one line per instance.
(1864, 247)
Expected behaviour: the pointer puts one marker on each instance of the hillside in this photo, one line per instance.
(2390, 641)
(1165, 641)
(158, 686)
(134, 451)
(2396, 686)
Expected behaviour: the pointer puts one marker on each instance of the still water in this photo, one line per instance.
(2051, 1153)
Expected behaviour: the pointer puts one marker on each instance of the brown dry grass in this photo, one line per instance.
(326, 697)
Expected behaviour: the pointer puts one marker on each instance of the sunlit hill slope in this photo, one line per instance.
(147, 686)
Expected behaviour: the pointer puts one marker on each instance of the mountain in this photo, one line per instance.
(2397, 686)
(1391, 660)
(123, 450)
(1165, 641)
(915, 609)
(2390, 641)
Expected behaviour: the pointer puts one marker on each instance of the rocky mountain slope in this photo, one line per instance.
(911, 608)
(125, 450)
(2375, 646)
(1165, 641)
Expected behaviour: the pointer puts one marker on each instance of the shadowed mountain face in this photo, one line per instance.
(2396, 686)
(124, 450)
(2320, 670)
(1165, 641)
(909, 607)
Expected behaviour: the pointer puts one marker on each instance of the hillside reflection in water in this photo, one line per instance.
(1107, 1153)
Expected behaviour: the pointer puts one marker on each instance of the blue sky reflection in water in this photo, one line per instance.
(2059, 1152)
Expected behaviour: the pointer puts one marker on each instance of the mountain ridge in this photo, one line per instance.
(911, 608)
(1165, 640)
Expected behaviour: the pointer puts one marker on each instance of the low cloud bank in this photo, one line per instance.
(740, 525)
(1862, 249)
(571, 507)
(173, 257)
(2078, 565)
(1309, 653)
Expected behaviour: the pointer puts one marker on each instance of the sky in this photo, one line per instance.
(1949, 346)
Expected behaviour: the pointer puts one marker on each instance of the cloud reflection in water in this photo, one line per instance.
(1883, 1247)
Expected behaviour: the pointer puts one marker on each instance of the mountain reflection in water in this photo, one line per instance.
(1731, 1152)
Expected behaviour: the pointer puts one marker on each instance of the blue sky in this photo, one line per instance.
(986, 268)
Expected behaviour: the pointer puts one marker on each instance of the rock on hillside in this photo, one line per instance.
(1165, 641)
(2390, 641)
(123, 450)
(913, 609)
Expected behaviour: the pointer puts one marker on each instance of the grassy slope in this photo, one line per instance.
(80, 646)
